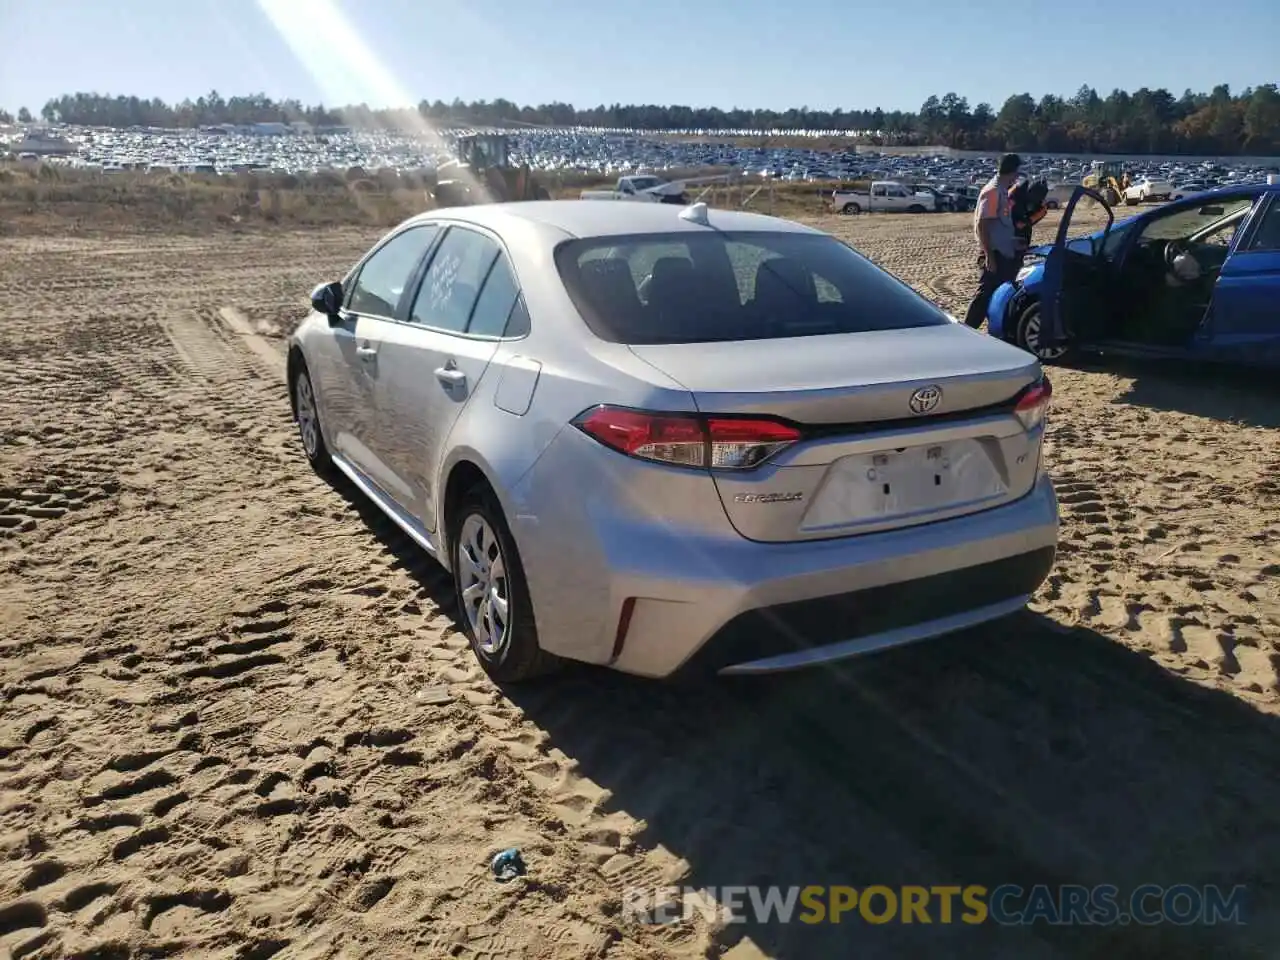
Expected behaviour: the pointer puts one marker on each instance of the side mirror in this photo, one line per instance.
(327, 299)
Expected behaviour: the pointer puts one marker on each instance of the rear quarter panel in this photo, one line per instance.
(505, 440)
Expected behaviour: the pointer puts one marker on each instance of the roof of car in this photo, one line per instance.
(604, 218)
(1243, 189)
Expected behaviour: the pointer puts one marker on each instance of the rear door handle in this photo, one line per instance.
(367, 353)
(450, 376)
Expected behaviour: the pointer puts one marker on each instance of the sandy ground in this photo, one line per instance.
(237, 719)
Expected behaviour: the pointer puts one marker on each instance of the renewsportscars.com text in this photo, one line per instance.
(1007, 904)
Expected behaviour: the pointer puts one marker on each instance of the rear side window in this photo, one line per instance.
(700, 288)
(518, 322)
(383, 277)
(452, 282)
(1267, 236)
(489, 319)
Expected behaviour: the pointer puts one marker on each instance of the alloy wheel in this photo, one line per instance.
(482, 576)
(308, 420)
(1031, 339)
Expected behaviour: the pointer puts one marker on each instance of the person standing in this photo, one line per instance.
(1027, 201)
(993, 229)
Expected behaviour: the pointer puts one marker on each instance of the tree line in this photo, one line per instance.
(1144, 121)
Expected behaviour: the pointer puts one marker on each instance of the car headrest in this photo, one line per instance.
(784, 283)
(670, 278)
(670, 270)
(609, 280)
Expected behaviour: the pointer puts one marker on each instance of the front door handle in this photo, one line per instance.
(367, 353)
(450, 376)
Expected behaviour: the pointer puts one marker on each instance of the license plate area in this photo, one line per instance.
(908, 482)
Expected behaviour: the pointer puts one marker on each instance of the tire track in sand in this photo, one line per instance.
(223, 731)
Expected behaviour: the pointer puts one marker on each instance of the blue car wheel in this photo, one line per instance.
(1028, 332)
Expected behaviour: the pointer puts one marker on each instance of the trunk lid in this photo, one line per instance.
(872, 457)
(853, 378)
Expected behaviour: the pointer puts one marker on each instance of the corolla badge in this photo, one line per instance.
(768, 497)
(925, 399)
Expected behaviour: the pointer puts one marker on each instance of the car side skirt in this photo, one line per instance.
(412, 528)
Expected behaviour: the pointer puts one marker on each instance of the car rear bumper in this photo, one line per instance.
(806, 633)
(654, 597)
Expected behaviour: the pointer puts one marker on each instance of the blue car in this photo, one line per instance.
(1195, 279)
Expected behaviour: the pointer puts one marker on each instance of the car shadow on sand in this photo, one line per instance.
(1019, 753)
(1247, 396)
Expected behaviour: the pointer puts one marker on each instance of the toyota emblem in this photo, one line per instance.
(925, 399)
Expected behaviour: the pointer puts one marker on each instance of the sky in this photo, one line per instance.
(748, 53)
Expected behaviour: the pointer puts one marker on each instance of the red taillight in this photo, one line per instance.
(1032, 407)
(688, 440)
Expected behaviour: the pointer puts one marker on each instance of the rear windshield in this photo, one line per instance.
(708, 287)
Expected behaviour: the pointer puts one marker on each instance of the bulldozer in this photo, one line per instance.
(1108, 178)
(482, 173)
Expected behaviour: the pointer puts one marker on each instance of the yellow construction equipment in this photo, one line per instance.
(483, 173)
(1108, 178)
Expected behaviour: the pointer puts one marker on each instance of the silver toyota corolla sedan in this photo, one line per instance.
(674, 440)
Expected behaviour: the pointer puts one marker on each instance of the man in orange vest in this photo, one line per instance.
(993, 229)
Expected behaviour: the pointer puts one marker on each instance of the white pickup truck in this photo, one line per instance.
(883, 195)
(644, 188)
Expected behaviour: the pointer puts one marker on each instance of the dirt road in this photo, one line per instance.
(237, 720)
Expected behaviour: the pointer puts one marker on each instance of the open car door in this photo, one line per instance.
(1071, 278)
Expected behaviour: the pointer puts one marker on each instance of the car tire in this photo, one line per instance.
(306, 414)
(915, 208)
(1051, 204)
(479, 541)
(849, 209)
(1026, 336)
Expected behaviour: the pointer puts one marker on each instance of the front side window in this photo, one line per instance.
(381, 281)
(1222, 233)
(682, 288)
(452, 282)
(1111, 245)
(1188, 222)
